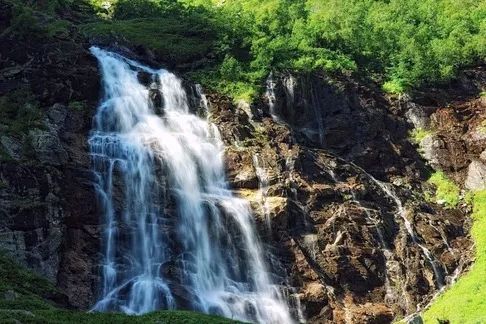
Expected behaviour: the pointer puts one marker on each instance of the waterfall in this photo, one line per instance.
(263, 188)
(390, 262)
(401, 212)
(271, 96)
(174, 235)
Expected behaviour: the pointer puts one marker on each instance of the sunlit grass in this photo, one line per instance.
(465, 302)
(447, 192)
(417, 135)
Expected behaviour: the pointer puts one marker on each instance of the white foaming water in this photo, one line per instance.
(439, 278)
(205, 252)
(270, 95)
(263, 188)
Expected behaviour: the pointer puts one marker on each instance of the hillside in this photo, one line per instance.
(29, 298)
(327, 157)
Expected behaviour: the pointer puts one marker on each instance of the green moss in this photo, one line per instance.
(447, 192)
(417, 135)
(175, 39)
(78, 105)
(27, 304)
(465, 302)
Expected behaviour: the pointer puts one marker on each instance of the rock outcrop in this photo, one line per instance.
(48, 216)
(335, 184)
(455, 120)
(353, 232)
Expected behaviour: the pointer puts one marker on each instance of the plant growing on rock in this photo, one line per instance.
(447, 192)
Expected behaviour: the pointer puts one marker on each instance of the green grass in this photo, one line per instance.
(60, 316)
(31, 304)
(465, 302)
(447, 192)
(174, 39)
(393, 87)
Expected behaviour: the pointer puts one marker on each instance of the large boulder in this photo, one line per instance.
(476, 176)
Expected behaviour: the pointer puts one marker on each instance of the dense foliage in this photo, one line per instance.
(399, 43)
(402, 43)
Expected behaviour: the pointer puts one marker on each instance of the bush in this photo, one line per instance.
(19, 112)
(129, 9)
(447, 192)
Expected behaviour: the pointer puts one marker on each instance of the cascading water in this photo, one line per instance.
(203, 254)
(401, 212)
(270, 95)
(263, 189)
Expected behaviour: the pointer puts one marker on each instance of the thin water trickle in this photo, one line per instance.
(263, 187)
(390, 263)
(271, 96)
(401, 212)
(206, 249)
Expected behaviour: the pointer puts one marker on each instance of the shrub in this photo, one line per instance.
(447, 192)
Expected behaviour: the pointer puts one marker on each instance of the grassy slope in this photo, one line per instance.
(173, 38)
(23, 298)
(465, 302)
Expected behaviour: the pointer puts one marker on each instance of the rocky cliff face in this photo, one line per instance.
(357, 249)
(335, 184)
(49, 221)
(456, 134)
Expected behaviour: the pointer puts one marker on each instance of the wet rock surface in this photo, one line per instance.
(456, 115)
(49, 219)
(336, 232)
(349, 223)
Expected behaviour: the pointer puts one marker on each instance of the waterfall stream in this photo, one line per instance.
(175, 236)
(401, 212)
(263, 187)
(271, 96)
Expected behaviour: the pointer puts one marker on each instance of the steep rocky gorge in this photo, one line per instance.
(333, 180)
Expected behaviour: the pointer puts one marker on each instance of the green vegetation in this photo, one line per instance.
(37, 21)
(465, 302)
(482, 127)
(19, 112)
(417, 135)
(231, 46)
(172, 38)
(401, 43)
(61, 317)
(25, 296)
(447, 192)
